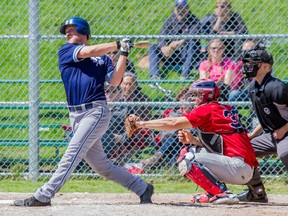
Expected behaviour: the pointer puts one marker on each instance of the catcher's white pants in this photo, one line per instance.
(88, 127)
(231, 170)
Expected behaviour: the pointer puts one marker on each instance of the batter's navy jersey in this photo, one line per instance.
(83, 79)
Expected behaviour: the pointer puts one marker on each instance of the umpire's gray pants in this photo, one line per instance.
(265, 144)
(88, 127)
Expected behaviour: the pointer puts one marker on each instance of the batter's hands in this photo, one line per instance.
(126, 45)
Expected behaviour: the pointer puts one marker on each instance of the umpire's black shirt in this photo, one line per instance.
(270, 101)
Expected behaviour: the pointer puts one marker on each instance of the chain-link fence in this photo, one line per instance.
(174, 51)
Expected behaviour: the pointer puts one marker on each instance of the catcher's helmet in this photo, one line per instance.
(82, 26)
(252, 60)
(207, 89)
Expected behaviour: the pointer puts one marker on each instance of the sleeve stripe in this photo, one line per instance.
(75, 59)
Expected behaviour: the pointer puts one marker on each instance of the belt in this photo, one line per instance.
(84, 107)
(240, 158)
(239, 130)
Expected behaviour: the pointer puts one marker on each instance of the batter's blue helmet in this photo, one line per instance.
(82, 26)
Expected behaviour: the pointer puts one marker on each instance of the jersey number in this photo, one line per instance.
(234, 118)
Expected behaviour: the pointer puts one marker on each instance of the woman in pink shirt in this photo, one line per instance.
(218, 67)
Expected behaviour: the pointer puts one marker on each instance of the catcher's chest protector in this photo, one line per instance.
(213, 142)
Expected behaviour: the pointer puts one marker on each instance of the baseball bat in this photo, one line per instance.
(142, 44)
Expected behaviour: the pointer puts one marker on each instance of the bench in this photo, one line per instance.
(269, 166)
(55, 143)
(25, 143)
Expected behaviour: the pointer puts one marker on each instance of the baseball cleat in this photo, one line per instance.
(145, 198)
(222, 198)
(31, 201)
(248, 196)
(201, 198)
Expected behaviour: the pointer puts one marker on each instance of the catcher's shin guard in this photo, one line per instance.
(205, 179)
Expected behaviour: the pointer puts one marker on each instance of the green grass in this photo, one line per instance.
(127, 17)
(162, 185)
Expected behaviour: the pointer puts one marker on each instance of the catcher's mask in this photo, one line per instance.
(82, 26)
(252, 60)
(203, 91)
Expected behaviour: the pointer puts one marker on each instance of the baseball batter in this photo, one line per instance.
(229, 156)
(84, 69)
(269, 97)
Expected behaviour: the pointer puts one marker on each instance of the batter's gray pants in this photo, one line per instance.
(88, 127)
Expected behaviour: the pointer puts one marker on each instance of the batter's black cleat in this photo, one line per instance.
(248, 196)
(145, 198)
(31, 202)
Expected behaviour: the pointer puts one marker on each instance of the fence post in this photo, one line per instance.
(34, 41)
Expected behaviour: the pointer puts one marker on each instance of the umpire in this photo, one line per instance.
(269, 97)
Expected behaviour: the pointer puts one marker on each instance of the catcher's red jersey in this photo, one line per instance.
(218, 118)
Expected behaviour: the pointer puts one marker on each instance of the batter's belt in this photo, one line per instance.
(86, 106)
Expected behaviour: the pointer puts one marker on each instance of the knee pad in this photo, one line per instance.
(185, 161)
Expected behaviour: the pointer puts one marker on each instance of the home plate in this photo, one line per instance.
(10, 202)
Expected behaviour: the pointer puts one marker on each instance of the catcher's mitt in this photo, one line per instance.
(130, 125)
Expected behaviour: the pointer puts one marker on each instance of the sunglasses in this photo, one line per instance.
(221, 6)
(216, 48)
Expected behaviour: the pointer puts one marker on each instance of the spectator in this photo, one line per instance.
(225, 22)
(171, 52)
(115, 57)
(238, 83)
(111, 140)
(131, 92)
(217, 67)
(168, 140)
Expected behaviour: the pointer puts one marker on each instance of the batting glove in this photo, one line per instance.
(125, 46)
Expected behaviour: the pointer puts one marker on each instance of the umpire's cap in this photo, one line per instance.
(258, 55)
(82, 26)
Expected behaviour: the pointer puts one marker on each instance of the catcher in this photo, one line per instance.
(229, 156)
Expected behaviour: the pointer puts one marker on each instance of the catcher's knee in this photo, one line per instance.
(185, 164)
(186, 158)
